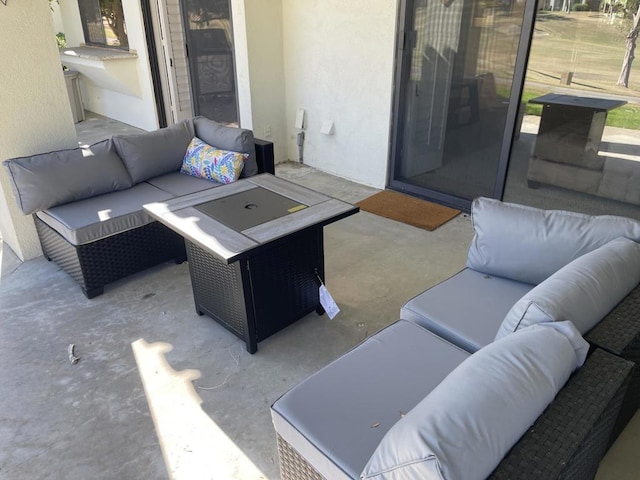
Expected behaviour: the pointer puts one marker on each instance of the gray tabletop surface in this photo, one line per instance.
(180, 215)
(601, 104)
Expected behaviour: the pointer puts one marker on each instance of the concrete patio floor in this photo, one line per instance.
(160, 392)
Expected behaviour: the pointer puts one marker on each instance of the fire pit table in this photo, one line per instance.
(255, 251)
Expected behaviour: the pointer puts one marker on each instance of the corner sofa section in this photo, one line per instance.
(459, 388)
(87, 202)
(406, 403)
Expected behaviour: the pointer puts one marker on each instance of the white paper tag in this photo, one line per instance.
(327, 302)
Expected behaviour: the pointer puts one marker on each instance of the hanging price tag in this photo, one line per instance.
(327, 302)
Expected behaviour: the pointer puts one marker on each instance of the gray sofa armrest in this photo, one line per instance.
(265, 157)
(568, 440)
(49, 179)
(228, 138)
(572, 435)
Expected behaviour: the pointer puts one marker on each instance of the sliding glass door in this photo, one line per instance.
(459, 76)
(209, 39)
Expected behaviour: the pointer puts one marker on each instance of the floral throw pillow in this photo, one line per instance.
(204, 161)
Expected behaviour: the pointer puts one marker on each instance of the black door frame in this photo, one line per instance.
(154, 65)
(404, 41)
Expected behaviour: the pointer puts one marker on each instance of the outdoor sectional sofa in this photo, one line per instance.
(482, 376)
(87, 202)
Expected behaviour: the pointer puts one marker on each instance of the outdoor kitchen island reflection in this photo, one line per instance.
(255, 251)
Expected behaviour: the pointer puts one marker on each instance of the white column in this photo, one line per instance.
(35, 115)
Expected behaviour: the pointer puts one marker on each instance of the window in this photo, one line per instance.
(103, 23)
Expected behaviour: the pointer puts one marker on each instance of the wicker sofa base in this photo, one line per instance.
(566, 442)
(619, 333)
(99, 263)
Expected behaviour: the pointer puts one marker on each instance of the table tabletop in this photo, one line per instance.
(599, 104)
(180, 215)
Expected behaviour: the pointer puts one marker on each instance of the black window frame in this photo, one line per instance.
(93, 26)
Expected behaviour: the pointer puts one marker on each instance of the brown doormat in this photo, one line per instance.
(407, 209)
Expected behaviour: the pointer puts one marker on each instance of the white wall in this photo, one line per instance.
(35, 115)
(339, 59)
(259, 58)
(137, 109)
(58, 24)
(243, 77)
(71, 23)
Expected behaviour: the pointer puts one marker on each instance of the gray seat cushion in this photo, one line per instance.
(99, 217)
(49, 179)
(337, 417)
(466, 309)
(149, 154)
(181, 184)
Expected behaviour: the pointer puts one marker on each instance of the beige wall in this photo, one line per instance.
(335, 60)
(339, 60)
(35, 115)
(257, 28)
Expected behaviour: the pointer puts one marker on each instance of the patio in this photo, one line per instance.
(147, 358)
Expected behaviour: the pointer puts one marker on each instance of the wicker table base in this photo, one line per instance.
(263, 293)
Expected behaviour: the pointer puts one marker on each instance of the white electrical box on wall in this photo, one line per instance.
(300, 118)
(327, 127)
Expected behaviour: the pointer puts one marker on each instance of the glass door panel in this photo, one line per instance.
(210, 50)
(584, 155)
(461, 63)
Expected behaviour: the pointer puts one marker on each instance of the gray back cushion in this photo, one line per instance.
(583, 291)
(468, 423)
(55, 178)
(149, 154)
(528, 244)
(228, 138)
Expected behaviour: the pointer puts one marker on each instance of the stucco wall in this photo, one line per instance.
(243, 77)
(35, 115)
(58, 25)
(265, 50)
(339, 58)
(260, 70)
(71, 23)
